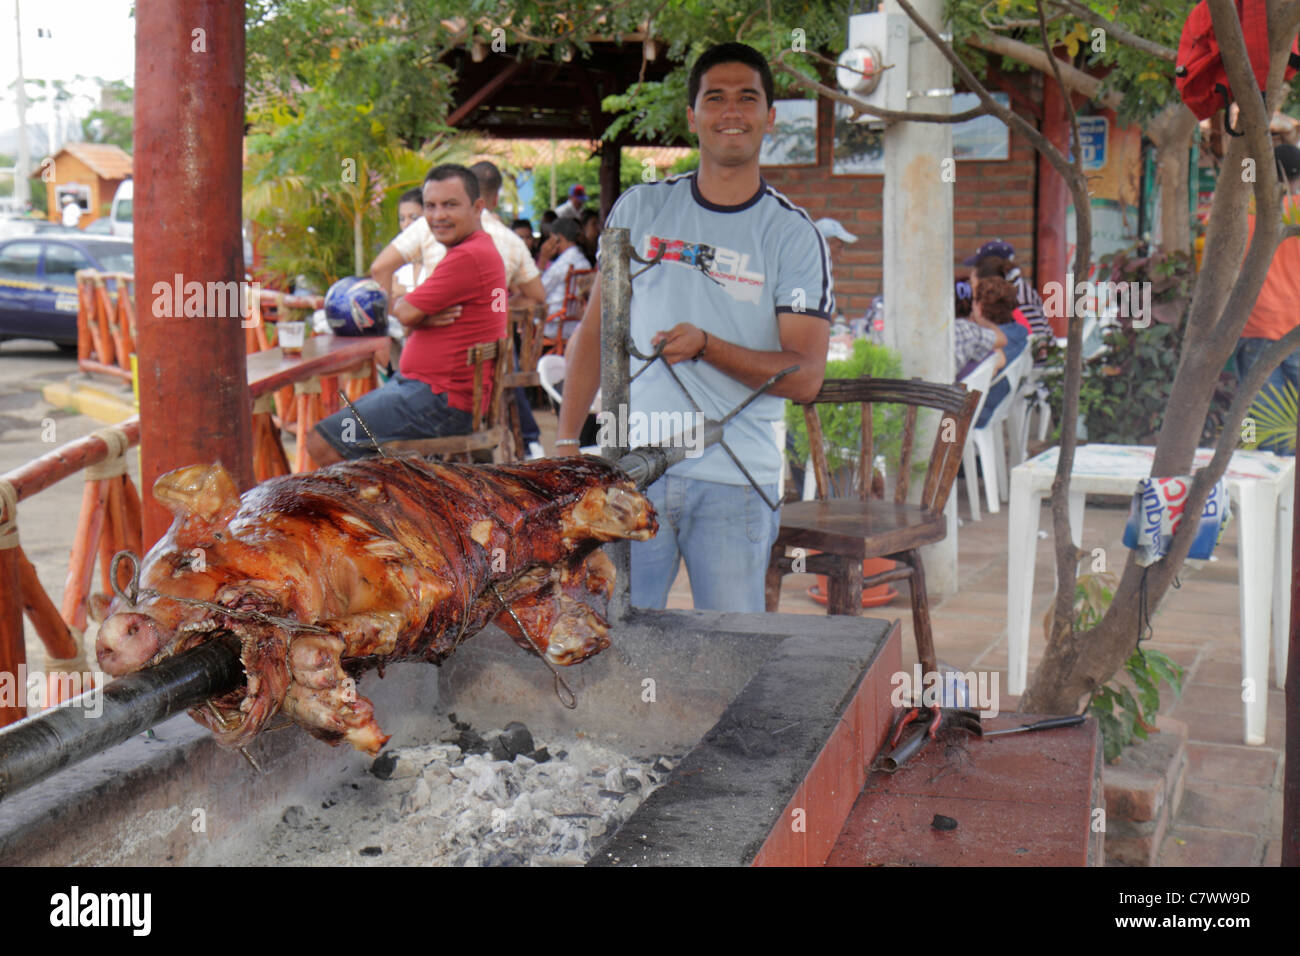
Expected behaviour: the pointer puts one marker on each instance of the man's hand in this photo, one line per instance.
(803, 343)
(445, 317)
(683, 341)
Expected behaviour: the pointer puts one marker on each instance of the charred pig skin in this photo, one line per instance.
(366, 563)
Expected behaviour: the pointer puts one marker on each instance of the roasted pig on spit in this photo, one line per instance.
(321, 576)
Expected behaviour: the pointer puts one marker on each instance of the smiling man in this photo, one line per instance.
(749, 274)
(433, 394)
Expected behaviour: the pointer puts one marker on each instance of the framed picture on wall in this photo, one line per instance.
(793, 140)
(858, 149)
(984, 137)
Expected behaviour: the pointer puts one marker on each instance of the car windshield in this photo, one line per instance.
(112, 256)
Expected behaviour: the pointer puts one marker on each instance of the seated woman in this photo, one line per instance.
(561, 252)
(993, 309)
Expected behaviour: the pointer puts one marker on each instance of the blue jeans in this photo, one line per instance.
(725, 533)
(1247, 354)
(404, 408)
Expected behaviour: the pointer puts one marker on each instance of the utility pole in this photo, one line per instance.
(22, 188)
(918, 253)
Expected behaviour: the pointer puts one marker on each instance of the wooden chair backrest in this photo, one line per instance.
(956, 401)
(526, 328)
(497, 355)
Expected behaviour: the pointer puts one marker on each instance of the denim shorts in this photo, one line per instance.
(724, 532)
(404, 408)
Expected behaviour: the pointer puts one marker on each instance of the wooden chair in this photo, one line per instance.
(847, 530)
(487, 431)
(577, 288)
(525, 330)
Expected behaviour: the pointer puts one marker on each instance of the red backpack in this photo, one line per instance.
(1201, 78)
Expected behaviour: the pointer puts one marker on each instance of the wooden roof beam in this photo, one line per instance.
(484, 92)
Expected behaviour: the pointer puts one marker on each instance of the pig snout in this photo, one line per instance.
(126, 641)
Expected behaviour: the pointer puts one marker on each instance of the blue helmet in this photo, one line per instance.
(357, 306)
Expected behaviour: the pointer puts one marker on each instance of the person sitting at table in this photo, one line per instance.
(432, 394)
(992, 267)
(993, 308)
(560, 253)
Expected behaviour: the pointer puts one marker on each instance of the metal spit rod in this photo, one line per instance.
(37, 747)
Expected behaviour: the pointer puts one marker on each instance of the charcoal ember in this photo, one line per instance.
(541, 755)
(470, 742)
(396, 765)
(370, 851)
(517, 738)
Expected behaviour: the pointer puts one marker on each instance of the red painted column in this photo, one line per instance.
(1053, 198)
(189, 123)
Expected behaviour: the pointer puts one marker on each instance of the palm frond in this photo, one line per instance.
(1274, 414)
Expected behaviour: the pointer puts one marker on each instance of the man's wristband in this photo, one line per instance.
(700, 354)
(567, 441)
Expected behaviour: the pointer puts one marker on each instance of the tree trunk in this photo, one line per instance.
(1076, 663)
(1172, 133)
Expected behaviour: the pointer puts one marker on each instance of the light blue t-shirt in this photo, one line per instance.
(727, 270)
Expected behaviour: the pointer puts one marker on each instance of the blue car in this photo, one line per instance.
(38, 285)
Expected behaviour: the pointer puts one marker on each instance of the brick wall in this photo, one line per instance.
(992, 200)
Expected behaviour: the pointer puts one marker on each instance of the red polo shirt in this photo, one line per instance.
(472, 276)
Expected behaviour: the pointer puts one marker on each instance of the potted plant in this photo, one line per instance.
(841, 429)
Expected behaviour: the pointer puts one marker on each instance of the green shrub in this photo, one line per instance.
(1124, 392)
(841, 424)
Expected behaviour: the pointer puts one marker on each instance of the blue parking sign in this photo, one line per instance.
(1092, 139)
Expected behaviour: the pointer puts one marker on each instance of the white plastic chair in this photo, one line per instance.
(550, 373)
(1031, 397)
(987, 443)
(979, 378)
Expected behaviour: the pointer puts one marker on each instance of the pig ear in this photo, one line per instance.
(97, 607)
(206, 492)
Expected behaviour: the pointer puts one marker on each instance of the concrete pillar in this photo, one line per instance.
(189, 124)
(918, 250)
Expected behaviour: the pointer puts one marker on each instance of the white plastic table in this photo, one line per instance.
(1260, 486)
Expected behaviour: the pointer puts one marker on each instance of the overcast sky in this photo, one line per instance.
(94, 38)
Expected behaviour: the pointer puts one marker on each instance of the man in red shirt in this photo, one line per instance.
(432, 394)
